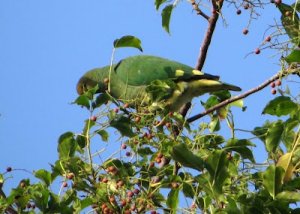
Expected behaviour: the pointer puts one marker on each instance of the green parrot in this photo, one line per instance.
(152, 82)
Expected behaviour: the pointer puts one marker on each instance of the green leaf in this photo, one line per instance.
(285, 161)
(289, 196)
(158, 3)
(240, 146)
(104, 135)
(217, 167)
(128, 41)
(272, 179)
(290, 22)
(294, 56)
(123, 125)
(66, 145)
(296, 6)
(280, 106)
(274, 135)
(166, 16)
(184, 156)
(214, 124)
(83, 100)
(173, 199)
(44, 175)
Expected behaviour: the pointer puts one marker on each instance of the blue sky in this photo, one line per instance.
(47, 45)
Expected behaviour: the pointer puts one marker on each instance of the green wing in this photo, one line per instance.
(142, 70)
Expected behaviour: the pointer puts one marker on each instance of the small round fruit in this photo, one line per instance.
(70, 176)
(278, 82)
(116, 110)
(268, 39)
(130, 194)
(257, 51)
(106, 80)
(8, 169)
(137, 119)
(93, 118)
(272, 84)
(273, 91)
(168, 125)
(136, 191)
(126, 105)
(123, 203)
(174, 185)
(64, 184)
(128, 154)
(104, 180)
(151, 164)
(246, 6)
(238, 12)
(123, 146)
(277, 2)
(112, 199)
(245, 31)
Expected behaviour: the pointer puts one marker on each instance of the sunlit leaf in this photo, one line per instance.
(217, 167)
(274, 135)
(83, 100)
(288, 196)
(44, 175)
(128, 41)
(285, 161)
(294, 56)
(66, 145)
(272, 179)
(173, 199)
(280, 106)
(166, 16)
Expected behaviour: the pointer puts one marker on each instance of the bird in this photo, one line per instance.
(151, 81)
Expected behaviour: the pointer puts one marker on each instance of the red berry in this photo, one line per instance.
(137, 119)
(278, 2)
(70, 176)
(126, 105)
(268, 39)
(116, 110)
(272, 84)
(151, 164)
(123, 146)
(128, 154)
(112, 199)
(93, 118)
(120, 183)
(245, 31)
(174, 185)
(130, 194)
(65, 184)
(153, 212)
(159, 155)
(273, 91)
(136, 191)
(214, 11)
(104, 180)
(257, 51)
(168, 125)
(246, 6)
(123, 203)
(238, 12)
(278, 82)
(8, 169)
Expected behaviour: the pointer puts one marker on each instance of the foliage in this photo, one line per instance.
(162, 159)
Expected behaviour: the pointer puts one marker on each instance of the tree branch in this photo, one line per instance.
(198, 10)
(205, 44)
(246, 94)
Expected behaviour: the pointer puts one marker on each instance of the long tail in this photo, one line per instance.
(230, 87)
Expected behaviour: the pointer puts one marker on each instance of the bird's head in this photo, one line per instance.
(92, 78)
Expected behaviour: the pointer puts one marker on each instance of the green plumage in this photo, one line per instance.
(152, 81)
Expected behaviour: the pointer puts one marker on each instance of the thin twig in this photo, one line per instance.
(246, 94)
(198, 10)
